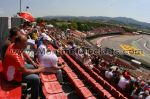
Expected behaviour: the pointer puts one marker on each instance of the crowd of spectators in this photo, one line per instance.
(105, 30)
(25, 54)
(136, 87)
(36, 38)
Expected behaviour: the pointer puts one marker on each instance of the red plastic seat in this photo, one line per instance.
(48, 78)
(86, 74)
(91, 97)
(108, 86)
(52, 87)
(104, 94)
(78, 83)
(9, 90)
(96, 70)
(51, 47)
(92, 81)
(60, 59)
(56, 96)
(116, 93)
(102, 81)
(72, 75)
(67, 69)
(11, 93)
(107, 95)
(85, 92)
(122, 97)
(98, 87)
(70, 59)
(81, 70)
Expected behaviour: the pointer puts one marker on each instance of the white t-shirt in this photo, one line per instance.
(42, 50)
(148, 97)
(123, 82)
(108, 74)
(47, 59)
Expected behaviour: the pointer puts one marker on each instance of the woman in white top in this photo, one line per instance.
(49, 59)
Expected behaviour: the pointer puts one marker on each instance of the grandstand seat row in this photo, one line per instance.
(102, 81)
(96, 86)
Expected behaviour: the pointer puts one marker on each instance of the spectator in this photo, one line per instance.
(96, 60)
(147, 86)
(104, 63)
(109, 74)
(87, 61)
(49, 59)
(124, 81)
(14, 66)
(148, 97)
(13, 33)
(136, 91)
(116, 75)
(144, 95)
(39, 42)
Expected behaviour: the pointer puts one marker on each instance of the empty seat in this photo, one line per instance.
(96, 70)
(91, 97)
(85, 92)
(9, 90)
(116, 93)
(107, 95)
(48, 77)
(108, 86)
(85, 74)
(56, 96)
(92, 81)
(78, 83)
(72, 75)
(67, 69)
(104, 94)
(122, 97)
(52, 87)
(98, 87)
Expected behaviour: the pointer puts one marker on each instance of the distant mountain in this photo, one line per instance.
(115, 20)
(131, 21)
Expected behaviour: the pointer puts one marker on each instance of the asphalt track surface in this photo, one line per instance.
(139, 42)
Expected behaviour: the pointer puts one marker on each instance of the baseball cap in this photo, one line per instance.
(46, 37)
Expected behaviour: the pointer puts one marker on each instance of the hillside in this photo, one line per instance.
(109, 20)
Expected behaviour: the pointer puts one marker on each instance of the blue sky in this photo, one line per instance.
(137, 9)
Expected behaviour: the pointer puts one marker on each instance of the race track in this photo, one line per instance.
(123, 43)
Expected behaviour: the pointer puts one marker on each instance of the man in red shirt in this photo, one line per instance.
(14, 66)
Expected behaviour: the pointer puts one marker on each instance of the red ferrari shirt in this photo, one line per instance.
(13, 60)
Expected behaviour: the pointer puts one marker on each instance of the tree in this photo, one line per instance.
(63, 27)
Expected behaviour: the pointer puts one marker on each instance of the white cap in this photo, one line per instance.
(46, 37)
